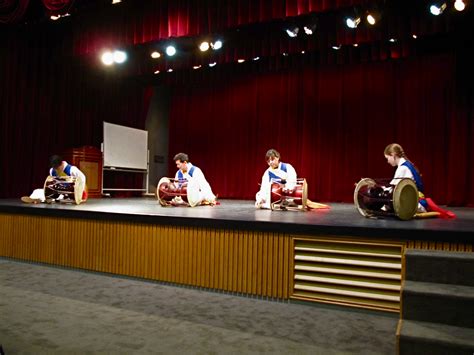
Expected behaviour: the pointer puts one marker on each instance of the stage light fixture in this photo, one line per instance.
(156, 72)
(337, 47)
(459, 5)
(371, 20)
(240, 60)
(197, 66)
(216, 45)
(392, 40)
(155, 55)
(107, 58)
(170, 70)
(352, 22)
(438, 8)
(204, 46)
(116, 2)
(170, 51)
(256, 58)
(55, 17)
(213, 64)
(120, 57)
(309, 29)
(292, 31)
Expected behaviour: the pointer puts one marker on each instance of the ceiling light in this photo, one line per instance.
(459, 5)
(204, 46)
(352, 22)
(437, 9)
(292, 31)
(120, 57)
(216, 45)
(155, 55)
(170, 51)
(107, 58)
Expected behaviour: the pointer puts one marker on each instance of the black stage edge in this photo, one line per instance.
(341, 219)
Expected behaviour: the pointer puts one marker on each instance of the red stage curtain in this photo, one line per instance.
(55, 7)
(332, 123)
(12, 11)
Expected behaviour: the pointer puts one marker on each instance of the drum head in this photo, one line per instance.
(366, 182)
(193, 194)
(304, 196)
(79, 187)
(159, 193)
(405, 199)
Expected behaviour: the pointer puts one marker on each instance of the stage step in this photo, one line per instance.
(415, 337)
(440, 267)
(440, 303)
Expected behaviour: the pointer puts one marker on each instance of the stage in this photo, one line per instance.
(332, 256)
(340, 219)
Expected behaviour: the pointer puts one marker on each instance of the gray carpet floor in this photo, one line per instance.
(46, 309)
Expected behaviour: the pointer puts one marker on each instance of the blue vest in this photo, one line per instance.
(272, 176)
(416, 176)
(181, 175)
(67, 170)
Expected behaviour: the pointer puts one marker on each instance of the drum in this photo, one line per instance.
(295, 198)
(380, 198)
(71, 188)
(171, 192)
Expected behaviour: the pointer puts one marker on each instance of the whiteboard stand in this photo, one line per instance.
(112, 168)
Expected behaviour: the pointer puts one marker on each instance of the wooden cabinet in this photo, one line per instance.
(89, 160)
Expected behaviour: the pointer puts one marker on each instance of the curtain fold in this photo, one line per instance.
(332, 123)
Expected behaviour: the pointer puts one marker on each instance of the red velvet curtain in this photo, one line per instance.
(332, 123)
(50, 103)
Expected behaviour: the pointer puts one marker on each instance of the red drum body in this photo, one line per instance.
(71, 188)
(173, 193)
(379, 198)
(293, 198)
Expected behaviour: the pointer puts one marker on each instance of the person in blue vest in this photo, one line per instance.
(59, 167)
(277, 172)
(396, 156)
(195, 179)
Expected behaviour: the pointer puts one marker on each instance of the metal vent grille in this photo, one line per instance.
(350, 272)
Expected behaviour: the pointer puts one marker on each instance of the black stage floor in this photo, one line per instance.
(341, 219)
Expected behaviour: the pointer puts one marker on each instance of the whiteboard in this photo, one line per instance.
(125, 147)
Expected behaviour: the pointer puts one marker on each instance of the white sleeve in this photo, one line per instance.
(290, 177)
(204, 186)
(77, 173)
(401, 172)
(262, 198)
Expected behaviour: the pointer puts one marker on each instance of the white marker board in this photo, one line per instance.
(125, 147)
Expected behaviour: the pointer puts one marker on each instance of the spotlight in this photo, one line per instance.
(371, 19)
(54, 17)
(170, 70)
(352, 22)
(120, 57)
(459, 5)
(292, 31)
(256, 58)
(204, 46)
(155, 55)
(437, 9)
(216, 45)
(213, 64)
(107, 58)
(392, 40)
(116, 2)
(197, 66)
(157, 72)
(336, 48)
(170, 51)
(310, 29)
(240, 60)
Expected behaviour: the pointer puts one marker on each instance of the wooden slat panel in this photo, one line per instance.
(245, 262)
